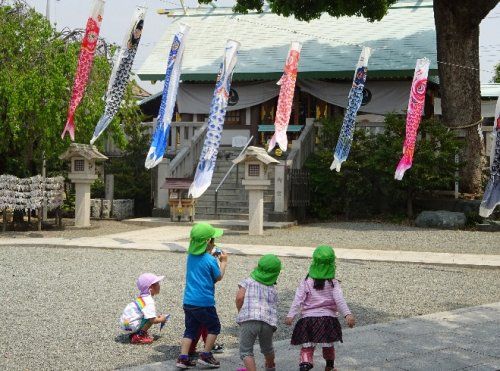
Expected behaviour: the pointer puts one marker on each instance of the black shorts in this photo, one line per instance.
(195, 317)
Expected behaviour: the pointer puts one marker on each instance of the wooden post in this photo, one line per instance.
(58, 218)
(4, 224)
(39, 215)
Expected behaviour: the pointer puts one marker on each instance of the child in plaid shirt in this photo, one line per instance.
(257, 304)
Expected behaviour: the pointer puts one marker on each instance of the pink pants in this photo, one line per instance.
(307, 354)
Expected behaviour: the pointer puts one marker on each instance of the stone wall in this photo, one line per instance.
(117, 209)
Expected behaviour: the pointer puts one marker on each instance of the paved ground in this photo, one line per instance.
(64, 302)
(98, 228)
(173, 238)
(378, 236)
(464, 339)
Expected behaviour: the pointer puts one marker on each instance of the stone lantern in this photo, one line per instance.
(82, 158)
(256, 181)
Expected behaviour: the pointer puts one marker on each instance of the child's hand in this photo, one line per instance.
(351, 321)
(162, 318)
(223, 257)
(288, 321)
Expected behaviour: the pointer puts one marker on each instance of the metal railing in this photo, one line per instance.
(227, 174)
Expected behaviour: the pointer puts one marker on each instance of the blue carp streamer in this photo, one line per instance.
(208, 157)
(491, 196)
(170, 87)
(355, 99)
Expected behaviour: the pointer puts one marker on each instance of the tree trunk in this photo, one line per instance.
(457, 33)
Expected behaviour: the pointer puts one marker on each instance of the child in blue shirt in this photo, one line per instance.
(203, 270)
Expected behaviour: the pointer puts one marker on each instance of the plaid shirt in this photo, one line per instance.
(260, 303)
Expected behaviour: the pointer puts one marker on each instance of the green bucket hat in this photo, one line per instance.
(323, 264)
(200, 234)
(267, 270)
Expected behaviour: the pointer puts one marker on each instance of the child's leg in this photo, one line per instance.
(194, 343)
(192, 328)
(307, 355)
(329, 356)
(266, 344)
(209, 319)
(248, 335)
(146, 325)
(204, 333)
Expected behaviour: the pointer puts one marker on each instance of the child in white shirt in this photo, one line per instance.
(139, 315)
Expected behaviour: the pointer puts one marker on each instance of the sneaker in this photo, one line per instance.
(141, 337)
(207, 359)
(305, 366)
(218, 348)
(193, 356)
(185, 362)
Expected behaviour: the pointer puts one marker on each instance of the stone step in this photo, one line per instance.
(208, 209)
(237, 216)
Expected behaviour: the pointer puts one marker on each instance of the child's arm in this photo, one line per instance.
(338, 296)
(300, 295)
(223, 264)
(158, 319)
(240, 298)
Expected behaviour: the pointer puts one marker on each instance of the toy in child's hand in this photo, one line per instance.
(167, 317)
(217, 252)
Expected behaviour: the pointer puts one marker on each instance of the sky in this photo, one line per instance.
(117, 14)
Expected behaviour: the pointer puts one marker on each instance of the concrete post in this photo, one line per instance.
(161, 195)
(256, 188)
(280, 201)
(109, 187)
(82, 205)
(256, 212)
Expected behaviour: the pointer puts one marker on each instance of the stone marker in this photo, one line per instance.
(441, 219)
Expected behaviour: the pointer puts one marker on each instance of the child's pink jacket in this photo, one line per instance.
(309, 302)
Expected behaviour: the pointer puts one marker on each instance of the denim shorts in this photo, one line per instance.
(195, 317)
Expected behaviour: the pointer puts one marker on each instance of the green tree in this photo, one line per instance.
(36, 77)
(366, 186)
(496, 78)
(457, 32)
(132, 179)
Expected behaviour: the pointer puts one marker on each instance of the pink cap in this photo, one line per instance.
(145, 281)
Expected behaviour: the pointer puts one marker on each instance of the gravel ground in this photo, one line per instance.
(370, 235)
(98, 228)
(61, 306)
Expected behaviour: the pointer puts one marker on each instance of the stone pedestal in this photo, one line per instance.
(82, 204)
(256, 188)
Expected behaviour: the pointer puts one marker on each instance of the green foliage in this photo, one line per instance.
(97, 189)
(496, 78)
(306, 10)
(365, 185)
(131, 179)
(36, 79)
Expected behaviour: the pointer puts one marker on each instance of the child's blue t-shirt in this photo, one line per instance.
(202, 271)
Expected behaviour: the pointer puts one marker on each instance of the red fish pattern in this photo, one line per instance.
(285, 98)
(413, 115)
(85, 59)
